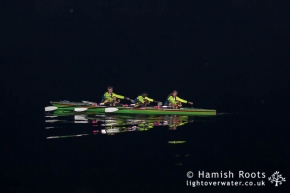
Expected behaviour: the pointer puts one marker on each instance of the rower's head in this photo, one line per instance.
(110, 89)
(144, 94)
(174, 93)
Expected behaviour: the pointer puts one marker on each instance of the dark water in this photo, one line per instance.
(145, 154)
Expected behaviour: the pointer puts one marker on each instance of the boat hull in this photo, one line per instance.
(131, 110)
(152, 111)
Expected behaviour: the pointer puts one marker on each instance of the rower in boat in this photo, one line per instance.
(174, 101)
(142, 100)
(112, 99)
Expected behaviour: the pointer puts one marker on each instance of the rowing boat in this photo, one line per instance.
(71, 106)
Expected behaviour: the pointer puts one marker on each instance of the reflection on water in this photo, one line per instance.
(65, 136)
(63, 125)
(176, 142)
(75, 125)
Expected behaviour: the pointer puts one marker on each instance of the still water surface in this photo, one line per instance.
(97, 153)
(154, 153)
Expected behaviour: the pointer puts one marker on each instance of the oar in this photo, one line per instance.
(107, 110)
(88, 102)
(81, 121)
(50, 108)
(80, 118)
(80, 109)
(110, 110)
(51, 116)
(65, 136)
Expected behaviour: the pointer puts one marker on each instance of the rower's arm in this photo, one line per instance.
(149, 99)
(118, 96)
(181, 100)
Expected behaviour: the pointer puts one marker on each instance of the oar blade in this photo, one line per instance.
(80, 109)
(50, 108)
(110, 110)
(80, 118)
(81, 121)
(88, 102)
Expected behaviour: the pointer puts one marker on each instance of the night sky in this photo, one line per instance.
(225, 56)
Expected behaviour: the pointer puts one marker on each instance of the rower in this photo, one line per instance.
(111, 99)
(174, 101)
(142, 100)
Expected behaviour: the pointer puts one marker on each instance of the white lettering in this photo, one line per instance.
(241, 174)
(207, 175)
(200, 174)
(215, 175)
(231, 174)
(221, 174)
(258, 174)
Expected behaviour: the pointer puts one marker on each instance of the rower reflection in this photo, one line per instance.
(110, 125)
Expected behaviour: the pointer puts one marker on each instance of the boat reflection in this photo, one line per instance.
(108, 124)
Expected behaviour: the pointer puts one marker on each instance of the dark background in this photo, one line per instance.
(232, 56)
(218, 55)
